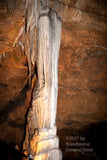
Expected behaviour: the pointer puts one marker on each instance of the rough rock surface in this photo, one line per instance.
(82, 75)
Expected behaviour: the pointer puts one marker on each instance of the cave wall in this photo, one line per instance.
(82, 76)
(83, 65)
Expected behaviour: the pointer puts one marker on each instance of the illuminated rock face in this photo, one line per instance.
(41, 141)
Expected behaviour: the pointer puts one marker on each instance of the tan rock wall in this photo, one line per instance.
(82, 75)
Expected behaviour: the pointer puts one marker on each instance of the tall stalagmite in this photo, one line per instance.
(43, 24)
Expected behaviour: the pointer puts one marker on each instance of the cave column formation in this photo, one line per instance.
(41, 141)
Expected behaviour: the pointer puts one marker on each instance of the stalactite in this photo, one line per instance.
(33, 10)
(41, 141)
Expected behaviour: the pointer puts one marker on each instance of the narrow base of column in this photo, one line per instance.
(54, 154)
(44, 145)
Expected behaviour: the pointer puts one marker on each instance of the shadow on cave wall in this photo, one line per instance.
(87, 143)
(90, 139)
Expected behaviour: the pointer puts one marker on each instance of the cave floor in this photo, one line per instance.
(90, 144)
